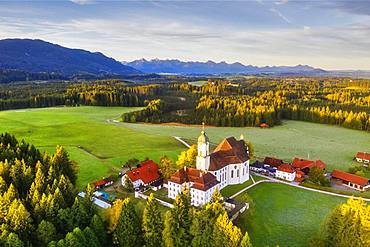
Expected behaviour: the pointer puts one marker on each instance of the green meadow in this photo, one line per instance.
(99, 147)
(282, 215)
(334, 145)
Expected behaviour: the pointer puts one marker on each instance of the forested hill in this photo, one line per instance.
(40, 56)
(210, 67)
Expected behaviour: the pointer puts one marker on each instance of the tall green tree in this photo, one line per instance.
(152, 223)
(348, 225)
(178, 222)
(225, 233)
(128, 231)
(45, 233)
(97, 226)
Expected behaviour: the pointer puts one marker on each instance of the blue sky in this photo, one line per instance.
(326, 34)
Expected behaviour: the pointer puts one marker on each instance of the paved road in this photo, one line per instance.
(182, 141)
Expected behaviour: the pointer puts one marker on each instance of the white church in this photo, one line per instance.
(227, 164)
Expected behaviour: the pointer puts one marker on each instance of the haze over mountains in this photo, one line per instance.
(193, 68)
(27, 59)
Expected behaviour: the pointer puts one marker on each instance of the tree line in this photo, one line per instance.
(100, 93)
(182, 225)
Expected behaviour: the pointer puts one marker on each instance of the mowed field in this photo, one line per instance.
(334, 145)
(285, 216)
(99, 147)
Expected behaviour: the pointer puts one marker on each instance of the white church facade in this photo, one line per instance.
(228, 164)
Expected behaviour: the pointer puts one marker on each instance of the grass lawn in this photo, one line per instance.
(161, 194)
(283, 215)
(232, 189)
(334, 145)
(99, 147)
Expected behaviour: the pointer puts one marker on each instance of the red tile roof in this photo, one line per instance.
(302, 163)
(229, 151)
(286, 168)
(147, 172)
(102, 182)
(364, 156)
(348, 177)
(201, 180)
(273, 161)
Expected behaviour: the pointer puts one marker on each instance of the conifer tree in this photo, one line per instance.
(91, 238)
(178, 223)
(348, 225)
(152, 223)
(97, 226)
(113, 213)
(14, 241)
(205, 219)
(225, 233)
(3, 186)
(128, 231)
(246, 242)
(45, 233)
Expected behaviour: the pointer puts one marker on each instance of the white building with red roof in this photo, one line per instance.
(227, 164)
(363, 158)
(286, 172)
(202, 184)
(351, 180)
(144, 175)
(305, 165)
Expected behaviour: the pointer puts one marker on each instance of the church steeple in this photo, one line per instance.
(203, 138)
(203, 158)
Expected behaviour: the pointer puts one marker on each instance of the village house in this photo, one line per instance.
(286, 172)
(305, 165)
(103, 183)
(227, 164)
(273, 162)
(363, 158)
(263, 168)
(145, 174)
(351, 180)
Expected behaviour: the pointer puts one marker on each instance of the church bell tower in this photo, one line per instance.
(203, 158)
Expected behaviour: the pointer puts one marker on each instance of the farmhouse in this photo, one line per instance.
(351, 180)
(286, 172)
(305, 165)
(202, 184)
(146, 174)
(273, 162)
(103, 183)
(228, 164)
(363, 158)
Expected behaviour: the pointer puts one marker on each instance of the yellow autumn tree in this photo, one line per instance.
(187, 158)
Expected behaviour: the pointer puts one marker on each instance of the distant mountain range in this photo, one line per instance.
(39, 56)
(27, 60)
(212, 68)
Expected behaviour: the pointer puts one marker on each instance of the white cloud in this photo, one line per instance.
(281, 2)
(82, 2)
(327, 47)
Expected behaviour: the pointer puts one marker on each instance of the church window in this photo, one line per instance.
(237, 173)
(232, 174)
